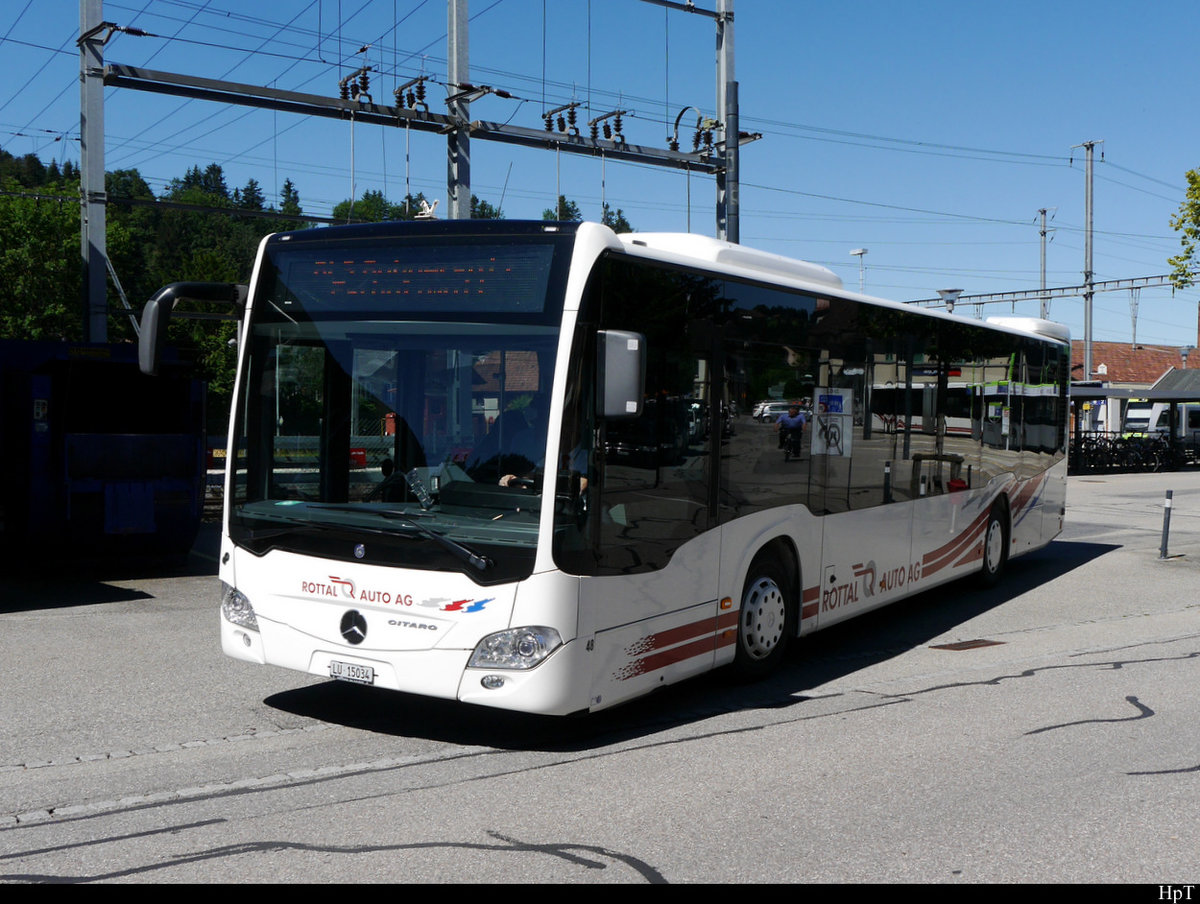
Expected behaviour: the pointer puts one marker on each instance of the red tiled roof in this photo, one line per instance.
(1125, 363)
(520, 370)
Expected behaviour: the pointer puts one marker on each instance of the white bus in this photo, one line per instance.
(465, 462)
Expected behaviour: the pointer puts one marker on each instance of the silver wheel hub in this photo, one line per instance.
(993, 546)
(764, 618)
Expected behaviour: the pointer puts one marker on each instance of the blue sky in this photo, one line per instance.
(929, 133)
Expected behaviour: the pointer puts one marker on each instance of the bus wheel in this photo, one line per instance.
(995, 546)
(765, 619)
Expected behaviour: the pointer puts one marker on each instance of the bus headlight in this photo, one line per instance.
(237, 609)
(517, 648)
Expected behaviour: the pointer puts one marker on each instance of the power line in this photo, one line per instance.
(885, 206)
(911, 145)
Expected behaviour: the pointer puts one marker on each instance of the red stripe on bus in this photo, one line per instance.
(962, 553)
(672, 636)
(810, 602)
(935, 561)
(664, 658)
(973, 555)
(1027, 493)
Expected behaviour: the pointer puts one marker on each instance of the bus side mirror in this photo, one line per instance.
(621, 377)
(157, 314)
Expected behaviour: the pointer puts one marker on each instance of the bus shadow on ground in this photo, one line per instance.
(73, 588)
(813, 661)
(32, 582)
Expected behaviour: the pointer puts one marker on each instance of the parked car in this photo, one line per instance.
(771, 411)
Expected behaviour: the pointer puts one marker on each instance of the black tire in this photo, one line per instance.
(766, 619)
(995, 546)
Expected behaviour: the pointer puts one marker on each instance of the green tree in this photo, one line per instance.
(289, 200)
(567, 212)
(133, 224)
(40, 268)
(1187, 223)
(250, 197)
(208, 243)
(373, 207)
(213, 181)
(482, 210)
(149, 246)
(26, 172)
(614, 221)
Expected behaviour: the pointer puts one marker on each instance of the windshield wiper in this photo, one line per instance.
(458, 550)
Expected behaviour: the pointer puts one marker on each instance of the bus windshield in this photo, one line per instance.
(393, 403)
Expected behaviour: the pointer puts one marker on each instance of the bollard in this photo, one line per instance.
(1162, 550)
(887, 482)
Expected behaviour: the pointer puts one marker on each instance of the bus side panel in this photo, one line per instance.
(635, 659)
(947, 535)
(867, 560)
(1036, 507)
(1054, 501)
(652, 628)
(744, 538)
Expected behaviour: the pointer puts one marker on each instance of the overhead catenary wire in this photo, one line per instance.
(647, 111)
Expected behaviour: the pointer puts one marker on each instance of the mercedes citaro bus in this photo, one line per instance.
(514, 464)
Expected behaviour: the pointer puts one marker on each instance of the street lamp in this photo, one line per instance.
(860, 253)
(949, 296)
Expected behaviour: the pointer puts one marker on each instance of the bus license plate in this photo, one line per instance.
(349, 671)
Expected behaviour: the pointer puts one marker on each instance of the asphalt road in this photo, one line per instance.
(1060, 745)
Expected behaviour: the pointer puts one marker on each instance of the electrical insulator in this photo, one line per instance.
(411, 100)
(617, 123)
(562, 125)
(596, 131)
(608, 131)
(673, 144)
(421, 91)
(549, 121)
(571, 117)
(345, 91)
(364, 82)
(696, 136)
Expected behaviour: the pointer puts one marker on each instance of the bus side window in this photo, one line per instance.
(651, 492)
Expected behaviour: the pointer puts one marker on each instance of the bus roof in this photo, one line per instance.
(1047, 328)
(726, 255)
(711, 251)
(685, 249)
